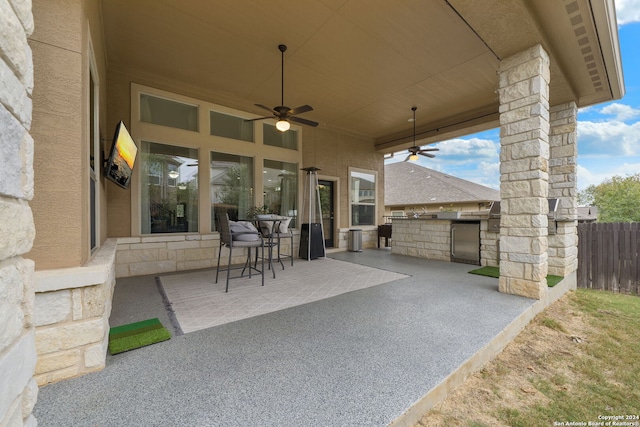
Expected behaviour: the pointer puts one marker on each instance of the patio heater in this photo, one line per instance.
(312, 232)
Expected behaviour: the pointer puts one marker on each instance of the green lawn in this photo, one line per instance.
(602, 381)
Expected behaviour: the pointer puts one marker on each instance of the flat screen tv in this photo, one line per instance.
(121, 158)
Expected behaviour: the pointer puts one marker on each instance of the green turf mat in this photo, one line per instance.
(135, 335)
(487, 271)
(495, 272)
(553, 280)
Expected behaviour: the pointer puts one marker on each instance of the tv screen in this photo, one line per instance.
(122, 157)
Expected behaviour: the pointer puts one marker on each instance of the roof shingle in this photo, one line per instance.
(411, 184)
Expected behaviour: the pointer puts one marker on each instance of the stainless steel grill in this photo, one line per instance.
(494, 216)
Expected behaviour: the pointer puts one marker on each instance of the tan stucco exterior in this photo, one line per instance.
(61, 130)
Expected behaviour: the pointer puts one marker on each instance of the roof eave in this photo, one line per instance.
(604, 16)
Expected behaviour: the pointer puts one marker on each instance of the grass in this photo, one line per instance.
(575, 362)
(495, 272)
(553, 324)
(604, 376)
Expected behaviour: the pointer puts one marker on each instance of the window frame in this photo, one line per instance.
(353, 170)
(252, 189)
(94, 142)
(204, 143)
(165, 181)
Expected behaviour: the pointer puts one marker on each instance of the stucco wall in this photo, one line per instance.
(57, 132)
(334, 153)
(60, 130)
(18, 390)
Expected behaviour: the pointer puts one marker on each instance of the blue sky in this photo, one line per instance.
(608, 134)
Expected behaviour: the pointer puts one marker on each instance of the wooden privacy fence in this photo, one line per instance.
(609, 257)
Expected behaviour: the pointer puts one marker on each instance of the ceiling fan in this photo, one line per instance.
(283, 113)
(415, 150)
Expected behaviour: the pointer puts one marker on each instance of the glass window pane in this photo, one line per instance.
(231, 186)
(275, 138)
(230, 126)
(169, 188)
(280, 188)
(363, 198)
(363, 187)
(363, 214)
(92, 124)
(160, 111)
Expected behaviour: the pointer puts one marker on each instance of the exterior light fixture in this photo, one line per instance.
(282, 125)
(413, 157)
(173, 174)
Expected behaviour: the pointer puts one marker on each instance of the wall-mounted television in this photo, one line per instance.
(121, 158)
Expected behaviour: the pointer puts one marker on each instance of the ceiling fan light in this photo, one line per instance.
(283, 125)
(414, 157)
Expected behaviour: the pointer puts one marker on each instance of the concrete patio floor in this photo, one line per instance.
(373, 357)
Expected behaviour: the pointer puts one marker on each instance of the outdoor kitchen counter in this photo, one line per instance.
(428, 236)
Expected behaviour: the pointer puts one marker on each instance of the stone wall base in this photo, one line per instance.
(139, 256)
(72, 308)
(526, 288)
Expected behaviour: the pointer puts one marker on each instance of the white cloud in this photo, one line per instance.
(621, 112)
(627, 11)
(473, 148)
(490, 174)
(587, 177)
(608, 138)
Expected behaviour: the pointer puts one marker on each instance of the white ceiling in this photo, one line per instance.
(362, 64)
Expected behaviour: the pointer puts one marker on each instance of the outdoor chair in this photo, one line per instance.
(239, 235)
(276, 228)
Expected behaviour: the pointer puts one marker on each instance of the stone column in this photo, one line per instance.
(563, 246)
(524, 158)
(18, 389)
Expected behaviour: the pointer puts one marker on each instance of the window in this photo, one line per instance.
(241, 167)
(230, 126)
(94, 154)
(275, 138)
(363, 197)
(160, 111)
(280, 188)
(169, 202)
(231, 186)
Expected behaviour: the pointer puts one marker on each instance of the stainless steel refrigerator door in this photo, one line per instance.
(465, 242)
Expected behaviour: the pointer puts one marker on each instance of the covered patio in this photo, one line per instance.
(193, 81)
(372, 357)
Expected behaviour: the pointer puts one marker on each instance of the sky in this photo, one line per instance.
(608, 133)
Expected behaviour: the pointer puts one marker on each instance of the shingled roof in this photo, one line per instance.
(407, 183)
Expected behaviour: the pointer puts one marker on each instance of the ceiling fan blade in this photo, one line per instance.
(407, 159)
(430, 149)
(300, 110)
(264, 107)
(431, 156)
(258, 118)
(303, 121)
